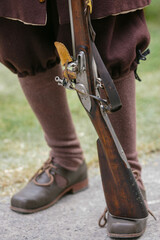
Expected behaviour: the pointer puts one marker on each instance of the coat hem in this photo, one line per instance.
(28, 23)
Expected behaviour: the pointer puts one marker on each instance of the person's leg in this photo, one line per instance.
(35, 60)
(118, 39)
(65, 170)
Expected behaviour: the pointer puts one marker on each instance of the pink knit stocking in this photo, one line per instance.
(124, 122)
(49, 103)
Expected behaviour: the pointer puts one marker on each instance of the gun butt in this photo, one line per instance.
(122, 194)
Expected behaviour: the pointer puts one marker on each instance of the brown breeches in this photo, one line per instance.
(28, 50)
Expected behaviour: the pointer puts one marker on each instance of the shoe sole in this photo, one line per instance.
(127, 236)
(73, 189)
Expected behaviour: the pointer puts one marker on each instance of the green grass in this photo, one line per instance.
(148, 97)
(22, 146)
(152, 12)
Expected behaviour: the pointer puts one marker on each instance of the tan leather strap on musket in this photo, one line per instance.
(65, 58)
(63, 53)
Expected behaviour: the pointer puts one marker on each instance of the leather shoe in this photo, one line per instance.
(43, 190)
(121, 227)
(125, 228)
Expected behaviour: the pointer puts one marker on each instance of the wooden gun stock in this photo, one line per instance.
(121, 192)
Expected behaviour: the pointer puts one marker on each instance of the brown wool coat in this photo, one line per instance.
(34, 11)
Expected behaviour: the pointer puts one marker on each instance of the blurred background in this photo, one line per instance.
(22, 146)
